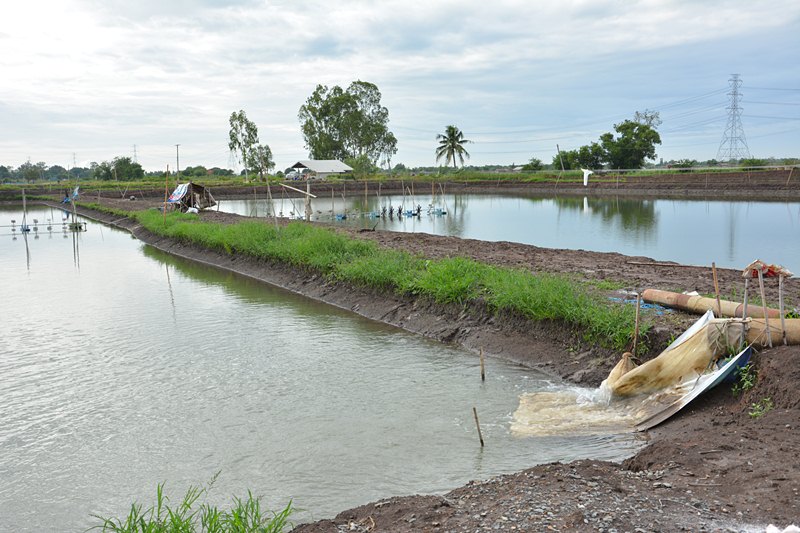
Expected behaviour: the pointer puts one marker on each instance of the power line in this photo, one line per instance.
(774, 88)
(773, 118)
(770, 103)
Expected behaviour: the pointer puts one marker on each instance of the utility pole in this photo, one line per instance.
(734, 144)
(135, 159)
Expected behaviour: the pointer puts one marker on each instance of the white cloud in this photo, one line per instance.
(91, 76)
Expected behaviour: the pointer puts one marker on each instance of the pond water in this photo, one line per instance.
(695, 232)
(122, 367)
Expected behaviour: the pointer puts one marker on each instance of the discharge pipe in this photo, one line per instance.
(701, 304)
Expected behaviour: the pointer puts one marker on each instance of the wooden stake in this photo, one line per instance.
(744, 309)
(166, 194)
(764, 305)
(478, 425)
(483, 371)
(780, 306)
(636, 324)
(716, 288)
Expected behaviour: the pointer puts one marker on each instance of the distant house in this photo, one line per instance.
(321, 168)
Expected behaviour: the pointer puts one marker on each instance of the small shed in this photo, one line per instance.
(190, 195)
(322, 168)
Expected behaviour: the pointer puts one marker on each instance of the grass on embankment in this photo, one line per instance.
(456, 280)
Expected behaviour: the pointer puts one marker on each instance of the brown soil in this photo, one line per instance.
(714, 467)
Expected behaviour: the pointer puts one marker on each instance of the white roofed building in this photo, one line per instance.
(323, 168)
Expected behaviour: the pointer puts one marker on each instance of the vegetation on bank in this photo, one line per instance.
(453, 280)
(245, 516)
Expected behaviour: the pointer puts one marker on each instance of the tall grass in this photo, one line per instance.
(454, 280)
(245, 516)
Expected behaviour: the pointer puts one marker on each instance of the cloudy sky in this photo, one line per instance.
(92, 79)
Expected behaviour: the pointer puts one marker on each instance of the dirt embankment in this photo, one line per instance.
(715, 467)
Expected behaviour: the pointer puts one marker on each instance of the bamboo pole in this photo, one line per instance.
(477, 425)
(780, 306)
(790, 176)
(483, 369)
(636, 323)
(764, 306)
(166, 193)
(308, 201)
(716, 287)
(744, 308)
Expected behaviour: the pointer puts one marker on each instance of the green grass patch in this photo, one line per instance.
(244, 516)
(448, 281)
(761, 407)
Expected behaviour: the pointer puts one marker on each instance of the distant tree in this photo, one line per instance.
(362, 166)
(261, 159)
(451, 146)
(198, 171)
(341, 124)
(587, 156)
(30, 172)
(533, 165)
(216, 171)
(648, 118)
(5, 173)
(685, 164)
(126, 169)
(102, 171)
(80, 173)
(752, 162)
(56, 172)
(635, 142)
(400, 167)
(243, 136)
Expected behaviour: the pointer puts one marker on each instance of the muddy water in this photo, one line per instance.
(122, 367)
(695, 232)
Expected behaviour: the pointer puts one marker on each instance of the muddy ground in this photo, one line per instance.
(714, 467)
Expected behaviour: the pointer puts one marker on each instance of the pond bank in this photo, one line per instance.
(700, 470)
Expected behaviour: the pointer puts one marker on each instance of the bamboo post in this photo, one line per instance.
(790, 176)
(716, 288)
(744, 308)
(561, 159)
(764, 305)
(636, 323)
(483, 369)
(271, 205)
(780, 306)
(308, 201)
(166, 194)
(477, 425)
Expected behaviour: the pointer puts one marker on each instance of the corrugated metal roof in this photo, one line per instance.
(325, 166)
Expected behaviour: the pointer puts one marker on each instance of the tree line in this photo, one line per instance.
(118, 169)
(351, 125)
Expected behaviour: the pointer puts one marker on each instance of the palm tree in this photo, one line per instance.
(451, 145)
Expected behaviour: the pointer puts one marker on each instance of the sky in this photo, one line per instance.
(86, 81)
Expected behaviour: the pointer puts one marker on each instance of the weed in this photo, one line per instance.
(747, 377)
(671, 339)
(761, 407)
(246, 516)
